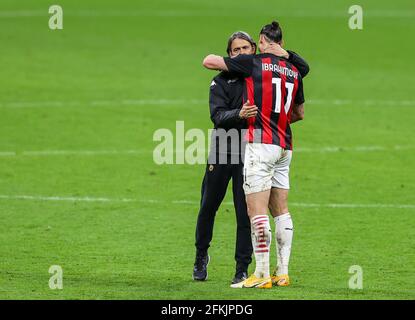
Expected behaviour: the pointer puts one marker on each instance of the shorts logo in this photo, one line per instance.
(211, 167)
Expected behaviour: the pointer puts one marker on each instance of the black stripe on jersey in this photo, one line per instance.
(288, 139)
(288, 132)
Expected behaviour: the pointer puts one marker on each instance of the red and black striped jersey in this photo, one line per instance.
(274, 85)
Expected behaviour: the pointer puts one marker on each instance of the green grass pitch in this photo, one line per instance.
(78, 109)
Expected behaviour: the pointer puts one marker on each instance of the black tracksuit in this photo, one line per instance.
(225, 102)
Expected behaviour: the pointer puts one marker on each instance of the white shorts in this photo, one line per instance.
(266, 166)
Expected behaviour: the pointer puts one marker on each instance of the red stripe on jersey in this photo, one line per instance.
(251, 121)
(282, 119)
(266, 103)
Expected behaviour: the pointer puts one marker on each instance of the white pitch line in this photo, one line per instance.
(321, 205)
(82, 152)
(206, 13)
(191, 202)
(353, 149)
(7, 154)
(72, 199)
(339, 102)
(353, 205)
(101, 103)
(184, 102)
(334, 149)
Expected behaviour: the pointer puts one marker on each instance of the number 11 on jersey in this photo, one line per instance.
(290, 88)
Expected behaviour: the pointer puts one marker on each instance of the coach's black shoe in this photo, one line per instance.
(240, 276)
(200, 267)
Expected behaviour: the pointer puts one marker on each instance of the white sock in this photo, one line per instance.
(261, 241)
(284, 236)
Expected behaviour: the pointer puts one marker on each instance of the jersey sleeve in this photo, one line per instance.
(299, 63)
(241, 65)
(299, 96)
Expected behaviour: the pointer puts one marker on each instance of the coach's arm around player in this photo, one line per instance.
(222, 115)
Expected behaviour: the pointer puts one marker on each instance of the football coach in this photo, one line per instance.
(227, 112)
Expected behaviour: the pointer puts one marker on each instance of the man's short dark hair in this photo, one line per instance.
(272, 31)
(239, 35)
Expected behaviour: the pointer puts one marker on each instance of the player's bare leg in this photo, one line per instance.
(258, 175)
(278, 205)
(257, 204)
